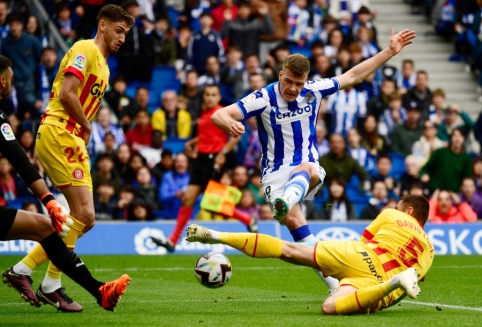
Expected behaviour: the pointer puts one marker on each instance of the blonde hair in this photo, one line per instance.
(297, 64)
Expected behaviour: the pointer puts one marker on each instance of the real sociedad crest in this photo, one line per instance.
(310, 98)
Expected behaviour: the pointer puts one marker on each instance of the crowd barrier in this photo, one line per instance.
(111, 238)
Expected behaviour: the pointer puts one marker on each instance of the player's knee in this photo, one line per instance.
(87, 217)
(43, 228)
(187, 202)
(328, 307)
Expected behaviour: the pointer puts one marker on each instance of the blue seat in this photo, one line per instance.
(301, 50)
(163, 75)
(113, 67)
(359, 206)
(398, 164)
(175, 144)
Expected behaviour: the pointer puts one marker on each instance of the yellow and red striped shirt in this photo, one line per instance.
(85, 61)
(400, 242)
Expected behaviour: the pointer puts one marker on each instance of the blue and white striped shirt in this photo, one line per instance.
(345, 108)
(287, 130)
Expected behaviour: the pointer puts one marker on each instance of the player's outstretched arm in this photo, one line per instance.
(227, 119)
(364, 69)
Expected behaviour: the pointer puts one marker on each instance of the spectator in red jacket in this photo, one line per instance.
(446, 207)
(139, 136)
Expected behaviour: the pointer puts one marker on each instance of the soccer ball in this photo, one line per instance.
(213, 270)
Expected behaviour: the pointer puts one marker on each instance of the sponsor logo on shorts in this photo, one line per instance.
(7, 132)
(371, 266)
(79, 62)
(78, 174)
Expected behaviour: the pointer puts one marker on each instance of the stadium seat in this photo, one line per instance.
(18, 202)
(162, 76)
(175, 144)
(113, 67)
(359, 206)
(301, 50)
(398, 164)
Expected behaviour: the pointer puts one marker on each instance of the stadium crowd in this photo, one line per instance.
(386, 137)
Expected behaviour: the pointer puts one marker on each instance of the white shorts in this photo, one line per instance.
(273, 184)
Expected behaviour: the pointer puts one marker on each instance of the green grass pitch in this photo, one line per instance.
(262, 292)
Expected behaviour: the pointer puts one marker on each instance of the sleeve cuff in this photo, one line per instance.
(76, 72)
(241, 109)
(337, 83)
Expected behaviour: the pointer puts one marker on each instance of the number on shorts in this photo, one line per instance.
(267, 193)
(410, 248)
(70, 154)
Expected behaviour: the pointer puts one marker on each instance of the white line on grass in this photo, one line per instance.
(184, 268)
(429, 304)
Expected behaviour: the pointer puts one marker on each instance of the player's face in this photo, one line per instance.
(290, 85)
(6, 83)
(114, 35)
(211, 97)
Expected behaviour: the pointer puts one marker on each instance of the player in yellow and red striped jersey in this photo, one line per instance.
(376, 272)
(63, 134)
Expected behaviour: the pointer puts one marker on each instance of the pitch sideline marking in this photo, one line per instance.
(429, 304)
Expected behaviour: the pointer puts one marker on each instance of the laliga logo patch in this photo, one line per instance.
(79, 62)
(7, 132)
(248, 98)
(338, 234)
(145, 245)
(78, 174)
(310, 98)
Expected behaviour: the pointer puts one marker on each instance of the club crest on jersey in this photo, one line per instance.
(78, 174)
(79, 62)
(7, 132)
(294, 115)
(310, 98)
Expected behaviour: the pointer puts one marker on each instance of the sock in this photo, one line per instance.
(303, 235)
(182, 218)
(34, 259)
(297, 187)
(241, 216)
(70, 264)
(52, 278)
(22, 269)
(254, 245)
(363, 299)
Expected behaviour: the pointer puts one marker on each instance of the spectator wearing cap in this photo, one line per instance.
(244, 31)
(447, 167)
(470, 194)
(447, 207)
(454, 118)
(24, 50)
(405, 135)
(378, 104)
(421, 94)
(427, 144)
(140, 135)
(171, 121)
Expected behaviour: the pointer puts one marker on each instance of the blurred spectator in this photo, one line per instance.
(165, 165)
(356, 54)
(265, 212)
(376, 202)
(240, 80)
(30, 206)
(405, 135)
(163, 42)
(308, 210)
(4, 4)
(24, 50)
(329, 24)
(233, 64)
(145, 189)
(11, 185)
(105, 173)
(88, 10)
(335, 41)
(173, 185)
(342, 63)
(407, 79)
(378, 104)
(253, 150)
(447, 207)
(136, 162)
(140, 135)
(100, 128)
(428, 143)
(193, 12)
(27, 142)
(447, 167)
(371, 140)
(136, 55)
(211, 73)
(358, 151)
(469, 194)
(33, 28)
(152, 153)
(394, 115)
(339, 164)
(477, 172)
(140, 210)
(337, 208)
(244, 31)
(120, 103)
(255, 186)
(182, 43)
(370, 86)
(121, 159)
(203, 44)
(345, 11)
(478, 130)
(452, 121)
(105, 203)
(345, 109)
(171, 121)
(323, 68)
(365, 39)
(240, 177)
(420, 94)
(437, 107)
(417, 189)
(274, 62)
(316, 49)
(321, 141)
(391, 204)
(411, 176)
(44, 77)
(256, 82)
(298, 18)
(193, 93)
(65, 23)
(140, 104)
(383, 174)
(318, 12)
(126, 195)
(363, 19)
(248, 204)
(109, 144)
(226, 8)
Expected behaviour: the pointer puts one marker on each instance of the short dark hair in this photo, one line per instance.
(205, 14)
(407, 61)
(14, 17)
(419, 204)
(166, 153)
(316, 44)
(364, 10)
(104, 156)
(297, 64)
(383, 156)
(212, 85)
(48, 48)
(114, 13)
(461, 131)
(26, 204)
(4, 64)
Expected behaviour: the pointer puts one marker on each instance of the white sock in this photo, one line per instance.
(50, 285)
(394, 282)
(214, 234)
(297, 187)
(22, 269)
(331, 282)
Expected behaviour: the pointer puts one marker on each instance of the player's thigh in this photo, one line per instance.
(64, 157)
(328, 306)
(191, 194)
(24, 225)
(295, 218)
(80, 200)
(298, 254)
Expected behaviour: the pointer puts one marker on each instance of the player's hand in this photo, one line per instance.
(59, 216)
(86, 131)
(236, 129)
(400, 40)
(263, 8)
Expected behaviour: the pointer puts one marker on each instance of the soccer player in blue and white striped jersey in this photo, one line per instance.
(286, 114)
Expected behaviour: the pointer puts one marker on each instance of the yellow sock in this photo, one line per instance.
(35, 258)
(363, 299)
(254, 245)
(72, 236)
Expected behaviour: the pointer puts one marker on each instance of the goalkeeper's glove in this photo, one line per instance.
(58, 214)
